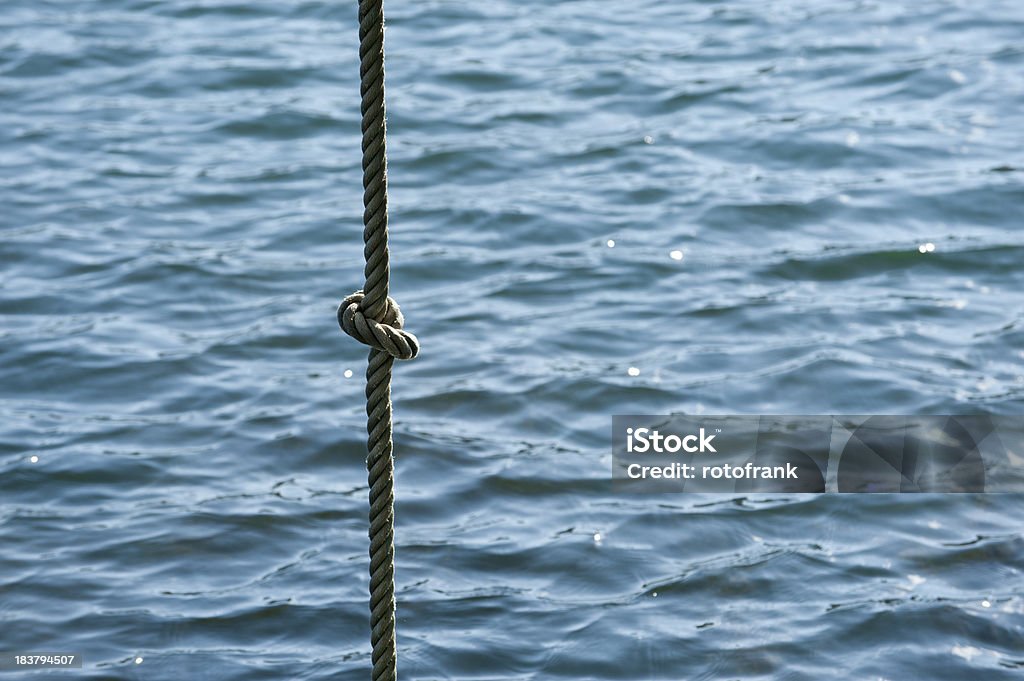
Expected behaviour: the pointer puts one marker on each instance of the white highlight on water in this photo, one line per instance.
(348, 373)
(676, 255)
(966, 652)
(927, 247)
(34, 459)
(633, 371)
(611, 243)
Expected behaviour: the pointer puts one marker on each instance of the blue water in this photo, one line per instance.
(815, 206)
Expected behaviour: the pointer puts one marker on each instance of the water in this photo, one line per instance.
(181, 216)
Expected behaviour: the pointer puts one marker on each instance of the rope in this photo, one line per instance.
(373, 318)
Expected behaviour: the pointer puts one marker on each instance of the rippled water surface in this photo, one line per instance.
(795, 206)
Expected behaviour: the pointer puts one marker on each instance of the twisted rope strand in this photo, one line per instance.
(375, 163)
(380, 465)
(373, 318)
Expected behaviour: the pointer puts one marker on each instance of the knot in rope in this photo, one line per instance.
(384, 334)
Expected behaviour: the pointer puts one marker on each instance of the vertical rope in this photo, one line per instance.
(381, 468)
(375, 161)
(373, 318)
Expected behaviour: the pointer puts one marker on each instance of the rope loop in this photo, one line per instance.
(384, 334)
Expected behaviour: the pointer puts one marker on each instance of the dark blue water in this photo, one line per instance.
(815, 206)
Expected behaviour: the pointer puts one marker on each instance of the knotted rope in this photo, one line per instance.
(373, 318)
